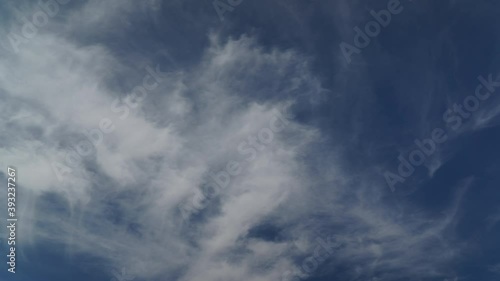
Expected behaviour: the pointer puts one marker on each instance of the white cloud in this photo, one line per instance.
(123, 199)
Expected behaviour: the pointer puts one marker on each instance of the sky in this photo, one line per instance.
(220, 140)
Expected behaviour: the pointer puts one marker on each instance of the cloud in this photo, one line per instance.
(495, 268)
(123, 199)
(190, 125)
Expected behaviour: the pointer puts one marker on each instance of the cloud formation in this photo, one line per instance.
(123, 198)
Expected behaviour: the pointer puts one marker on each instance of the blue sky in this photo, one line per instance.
(242, 140)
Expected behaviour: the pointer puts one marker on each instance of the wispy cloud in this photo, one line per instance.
(123, 199)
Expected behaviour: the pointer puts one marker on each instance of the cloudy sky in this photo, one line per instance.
(257, 140)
